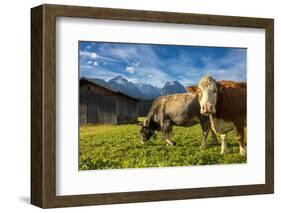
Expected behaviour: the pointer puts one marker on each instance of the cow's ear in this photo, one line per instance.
(192, 89)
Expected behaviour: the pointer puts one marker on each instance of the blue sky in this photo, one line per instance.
(157, 64)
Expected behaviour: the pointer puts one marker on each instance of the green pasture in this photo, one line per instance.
(118, 146)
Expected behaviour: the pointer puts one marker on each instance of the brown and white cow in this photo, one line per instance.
(225, 103)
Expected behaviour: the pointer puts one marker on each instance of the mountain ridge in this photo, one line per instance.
(140, 90)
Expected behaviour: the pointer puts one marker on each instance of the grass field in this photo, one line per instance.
(118, 146)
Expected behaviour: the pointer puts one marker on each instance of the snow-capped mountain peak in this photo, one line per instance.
(119, 80)
(141, 90)
(172, 87)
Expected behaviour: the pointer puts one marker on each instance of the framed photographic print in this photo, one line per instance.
(137, 106)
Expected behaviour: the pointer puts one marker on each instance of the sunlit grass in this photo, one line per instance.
(118, 146)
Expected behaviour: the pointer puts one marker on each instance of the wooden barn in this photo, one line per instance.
(99, 104)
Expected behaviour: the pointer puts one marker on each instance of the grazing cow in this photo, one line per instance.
(225, 103)
(177, 109)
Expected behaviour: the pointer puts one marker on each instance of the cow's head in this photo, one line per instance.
(146, 131)
(207, 95)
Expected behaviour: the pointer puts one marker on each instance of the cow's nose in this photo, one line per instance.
(211, 108)
(204, 108)
(208, 108)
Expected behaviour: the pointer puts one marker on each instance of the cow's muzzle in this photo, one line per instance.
(208, 109)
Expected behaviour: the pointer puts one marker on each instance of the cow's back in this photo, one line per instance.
(181, 109)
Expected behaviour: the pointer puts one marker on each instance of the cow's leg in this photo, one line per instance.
(214, 136)
(205, 136)
(205, 126)
(168, 137)
(223, 144)
(166, 131)
(240, 138)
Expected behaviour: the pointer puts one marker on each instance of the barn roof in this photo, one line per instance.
(110, 89)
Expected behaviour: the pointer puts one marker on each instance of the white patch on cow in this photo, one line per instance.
(220, 126)
(223, 144)
(208, 89)
(208, 97)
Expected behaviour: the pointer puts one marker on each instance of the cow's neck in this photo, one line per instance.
(222, 111)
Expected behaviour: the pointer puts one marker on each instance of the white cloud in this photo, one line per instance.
(90, 46)
(94, 55)
(89, 62)
(131, 69)
(136, 63)
(126, 53)
(133, 55)
(88, 54)
(153, 76)
(147, 66)
(97, 72)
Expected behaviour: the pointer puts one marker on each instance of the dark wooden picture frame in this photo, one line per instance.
(43, 105)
